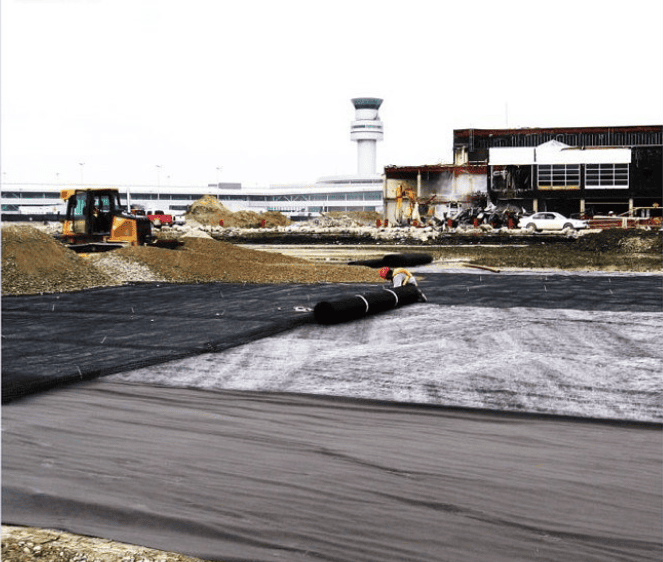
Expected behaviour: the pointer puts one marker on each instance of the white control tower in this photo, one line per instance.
(366, 129)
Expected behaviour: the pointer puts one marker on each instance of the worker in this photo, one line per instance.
(400, 277)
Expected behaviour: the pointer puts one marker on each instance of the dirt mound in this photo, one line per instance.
(202, 260)
(34, 262)
(210, 212)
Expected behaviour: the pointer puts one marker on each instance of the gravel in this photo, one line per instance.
(124, 270)
(29, 544)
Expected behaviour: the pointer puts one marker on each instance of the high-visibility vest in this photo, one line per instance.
(402, 270)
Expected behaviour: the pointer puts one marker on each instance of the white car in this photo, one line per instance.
(550, 221)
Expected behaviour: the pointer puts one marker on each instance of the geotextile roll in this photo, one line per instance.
(355, 307)
(395, 260)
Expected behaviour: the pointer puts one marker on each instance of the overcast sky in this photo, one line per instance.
(262, 89)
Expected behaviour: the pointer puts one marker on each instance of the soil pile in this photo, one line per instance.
(34, 262)
(209, 212)
(204, 260)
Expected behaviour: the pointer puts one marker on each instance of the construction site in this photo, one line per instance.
(343, 282)
(238, 385)
(198, 358)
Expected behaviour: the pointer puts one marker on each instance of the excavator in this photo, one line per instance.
(95, 221)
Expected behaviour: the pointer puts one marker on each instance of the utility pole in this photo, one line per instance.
(158, 166)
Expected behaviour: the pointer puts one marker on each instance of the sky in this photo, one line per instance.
(191, 92)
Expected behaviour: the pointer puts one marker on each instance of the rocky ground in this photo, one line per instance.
(28, 544)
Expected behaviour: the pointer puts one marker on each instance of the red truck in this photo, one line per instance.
(158, 218)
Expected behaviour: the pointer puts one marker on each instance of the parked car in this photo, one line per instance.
(550, 221)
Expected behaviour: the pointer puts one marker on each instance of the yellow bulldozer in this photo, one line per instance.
(95, 221)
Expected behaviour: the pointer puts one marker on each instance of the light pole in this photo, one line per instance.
(158, 166)
(218, 187)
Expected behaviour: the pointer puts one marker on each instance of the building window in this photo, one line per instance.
(336, 197)
(559, 176)
(606, 176)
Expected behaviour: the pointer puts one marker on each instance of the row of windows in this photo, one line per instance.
(347, 196)
(321, 209)
(596, 175)
(559, 175)
(163, 196)
(31, 194)
(608, 175)
(332, 196)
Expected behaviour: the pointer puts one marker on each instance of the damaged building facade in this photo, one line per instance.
(596, 170)
(416, 193)
(581, 170)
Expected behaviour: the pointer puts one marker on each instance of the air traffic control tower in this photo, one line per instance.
(366, 129)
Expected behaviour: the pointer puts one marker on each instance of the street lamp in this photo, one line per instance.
(158, 166)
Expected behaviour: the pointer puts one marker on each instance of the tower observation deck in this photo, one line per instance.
(366, 130)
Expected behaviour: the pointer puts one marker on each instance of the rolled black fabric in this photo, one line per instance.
(395, 260)
(406, 260)
(358, 306)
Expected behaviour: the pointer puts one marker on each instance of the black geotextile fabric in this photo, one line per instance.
(54, 339)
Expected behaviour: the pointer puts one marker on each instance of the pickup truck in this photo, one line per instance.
(159, 218)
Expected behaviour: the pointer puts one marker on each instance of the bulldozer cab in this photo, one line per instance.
(91, 211)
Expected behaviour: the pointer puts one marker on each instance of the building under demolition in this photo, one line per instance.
(588, 170)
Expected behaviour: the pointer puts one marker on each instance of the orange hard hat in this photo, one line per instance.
(384, 272)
